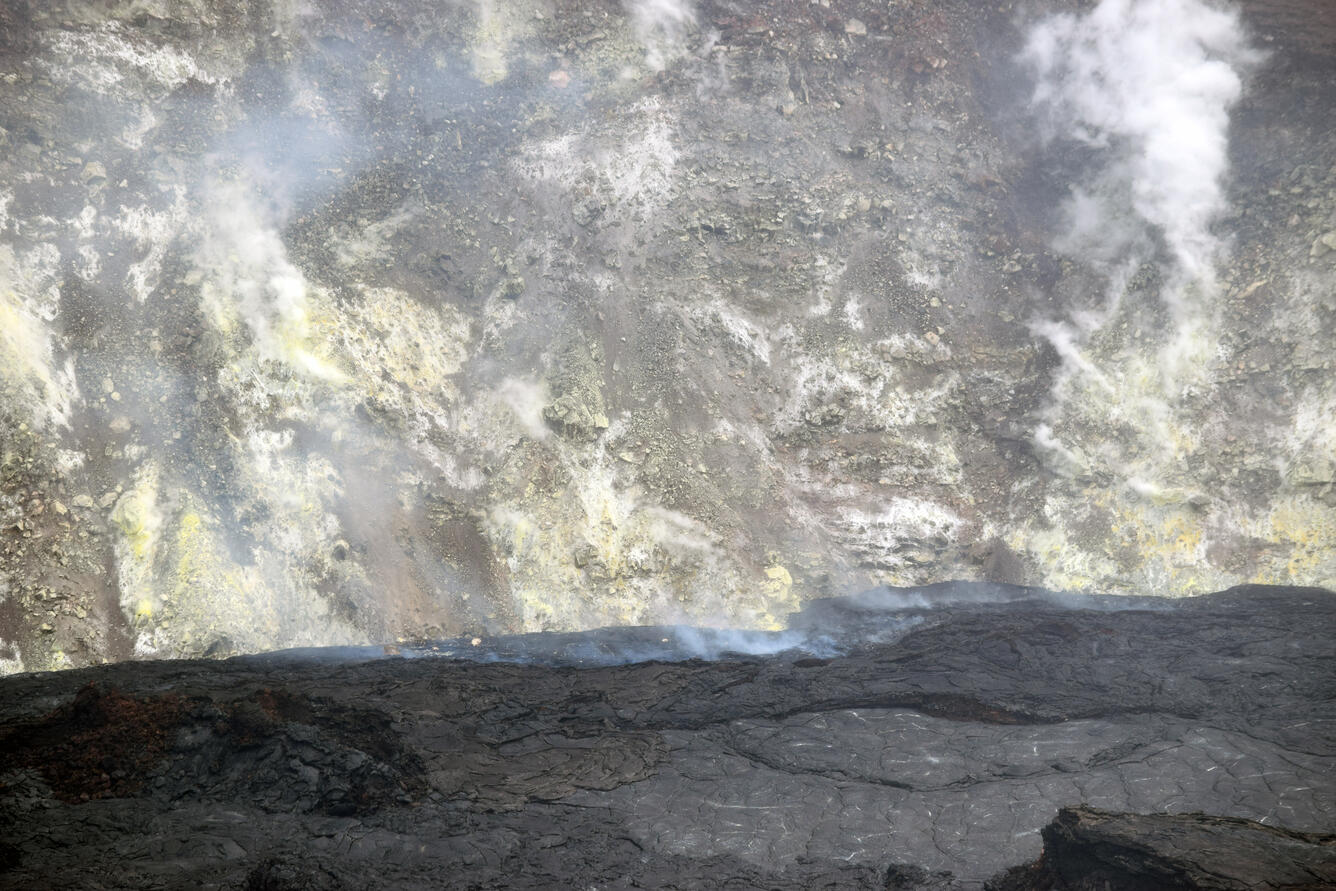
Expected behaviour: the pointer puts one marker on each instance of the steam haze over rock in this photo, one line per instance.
(346, 323)
(668, 444)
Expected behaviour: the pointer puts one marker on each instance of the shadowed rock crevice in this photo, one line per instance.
(107, 744)
(1087, 849)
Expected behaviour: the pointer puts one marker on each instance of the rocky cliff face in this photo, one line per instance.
(326, 323)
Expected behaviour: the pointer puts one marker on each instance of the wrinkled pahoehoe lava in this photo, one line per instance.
(931, 761)
(348, 321)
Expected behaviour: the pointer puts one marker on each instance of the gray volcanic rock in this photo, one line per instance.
(944, 748)
(1086, 849)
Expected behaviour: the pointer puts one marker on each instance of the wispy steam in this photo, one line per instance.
(250, 275)
(1151, 82)
(29, 302)
(1143, 90)
(1148, 85)
(662, 26)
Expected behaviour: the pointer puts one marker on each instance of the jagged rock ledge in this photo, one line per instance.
(1085, 848)
(932, 758)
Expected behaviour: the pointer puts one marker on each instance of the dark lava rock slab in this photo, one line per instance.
(1087, 849)
(930, 756)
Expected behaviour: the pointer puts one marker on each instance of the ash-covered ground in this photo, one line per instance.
(350, 322)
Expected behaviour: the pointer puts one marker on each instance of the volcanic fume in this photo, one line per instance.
(331, 324)
(668, 443)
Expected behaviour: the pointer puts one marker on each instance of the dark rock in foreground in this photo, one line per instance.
(945, 747)
(1086, 849)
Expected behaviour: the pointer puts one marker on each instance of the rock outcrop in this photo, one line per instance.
(1087, 849)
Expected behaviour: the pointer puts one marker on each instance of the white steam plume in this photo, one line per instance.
(249, 276)
(1147, 86)
(1152, 82)
(662, 27)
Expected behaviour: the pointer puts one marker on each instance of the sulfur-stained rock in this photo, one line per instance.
(577, 411)
(707, 289)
